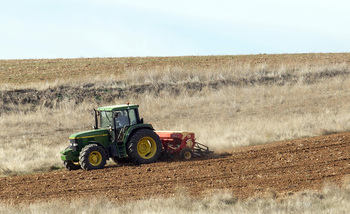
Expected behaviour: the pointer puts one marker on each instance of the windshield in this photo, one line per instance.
(106, 119)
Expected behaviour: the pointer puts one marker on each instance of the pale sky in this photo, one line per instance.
(113, 28)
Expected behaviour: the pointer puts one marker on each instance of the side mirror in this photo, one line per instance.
(94, 127)
(141, 121)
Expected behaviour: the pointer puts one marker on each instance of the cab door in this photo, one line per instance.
(121, 123)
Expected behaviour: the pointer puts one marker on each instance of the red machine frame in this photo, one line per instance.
(182, 144)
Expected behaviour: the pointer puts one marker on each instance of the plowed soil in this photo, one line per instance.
(281, 168)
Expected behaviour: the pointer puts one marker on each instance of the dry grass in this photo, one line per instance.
(32, 141)
(331, 199)
(24, 73)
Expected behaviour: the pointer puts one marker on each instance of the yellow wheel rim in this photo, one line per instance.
(146, 147)
(75, 163)
(95, 158)
(187, 155)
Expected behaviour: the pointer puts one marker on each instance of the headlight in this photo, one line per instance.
(73, 142)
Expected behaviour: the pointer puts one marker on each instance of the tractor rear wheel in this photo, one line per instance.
(144, 147)
(186, 154)
(92, 156)
(71, 165)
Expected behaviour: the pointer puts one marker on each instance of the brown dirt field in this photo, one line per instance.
(281, 169)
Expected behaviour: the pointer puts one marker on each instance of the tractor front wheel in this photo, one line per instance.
(144, 147)
(92, 156)
(71, 165)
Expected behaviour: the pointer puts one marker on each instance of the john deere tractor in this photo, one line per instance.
(119, 134)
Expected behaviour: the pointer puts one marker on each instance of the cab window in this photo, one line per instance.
(133, 118)
(106, 119)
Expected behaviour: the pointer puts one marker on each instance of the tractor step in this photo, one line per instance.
(121, 150)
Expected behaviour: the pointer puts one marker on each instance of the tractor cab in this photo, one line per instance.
(117, 116)
(117, 119)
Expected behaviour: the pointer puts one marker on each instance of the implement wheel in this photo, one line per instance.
(92, 156)
(144, 147)
(186, 154)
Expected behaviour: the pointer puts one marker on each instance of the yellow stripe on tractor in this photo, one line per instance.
(102, 135)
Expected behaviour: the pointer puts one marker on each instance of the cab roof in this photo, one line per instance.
(118, 107)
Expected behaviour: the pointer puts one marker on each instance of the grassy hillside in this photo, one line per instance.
(228, 101)
(24, 72)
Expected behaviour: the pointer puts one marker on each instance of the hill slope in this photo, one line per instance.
(281, 168)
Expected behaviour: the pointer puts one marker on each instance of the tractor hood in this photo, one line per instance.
(90, 134)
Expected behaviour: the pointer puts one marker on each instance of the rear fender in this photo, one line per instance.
(134, 128)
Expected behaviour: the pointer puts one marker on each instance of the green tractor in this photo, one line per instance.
(119, 134)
